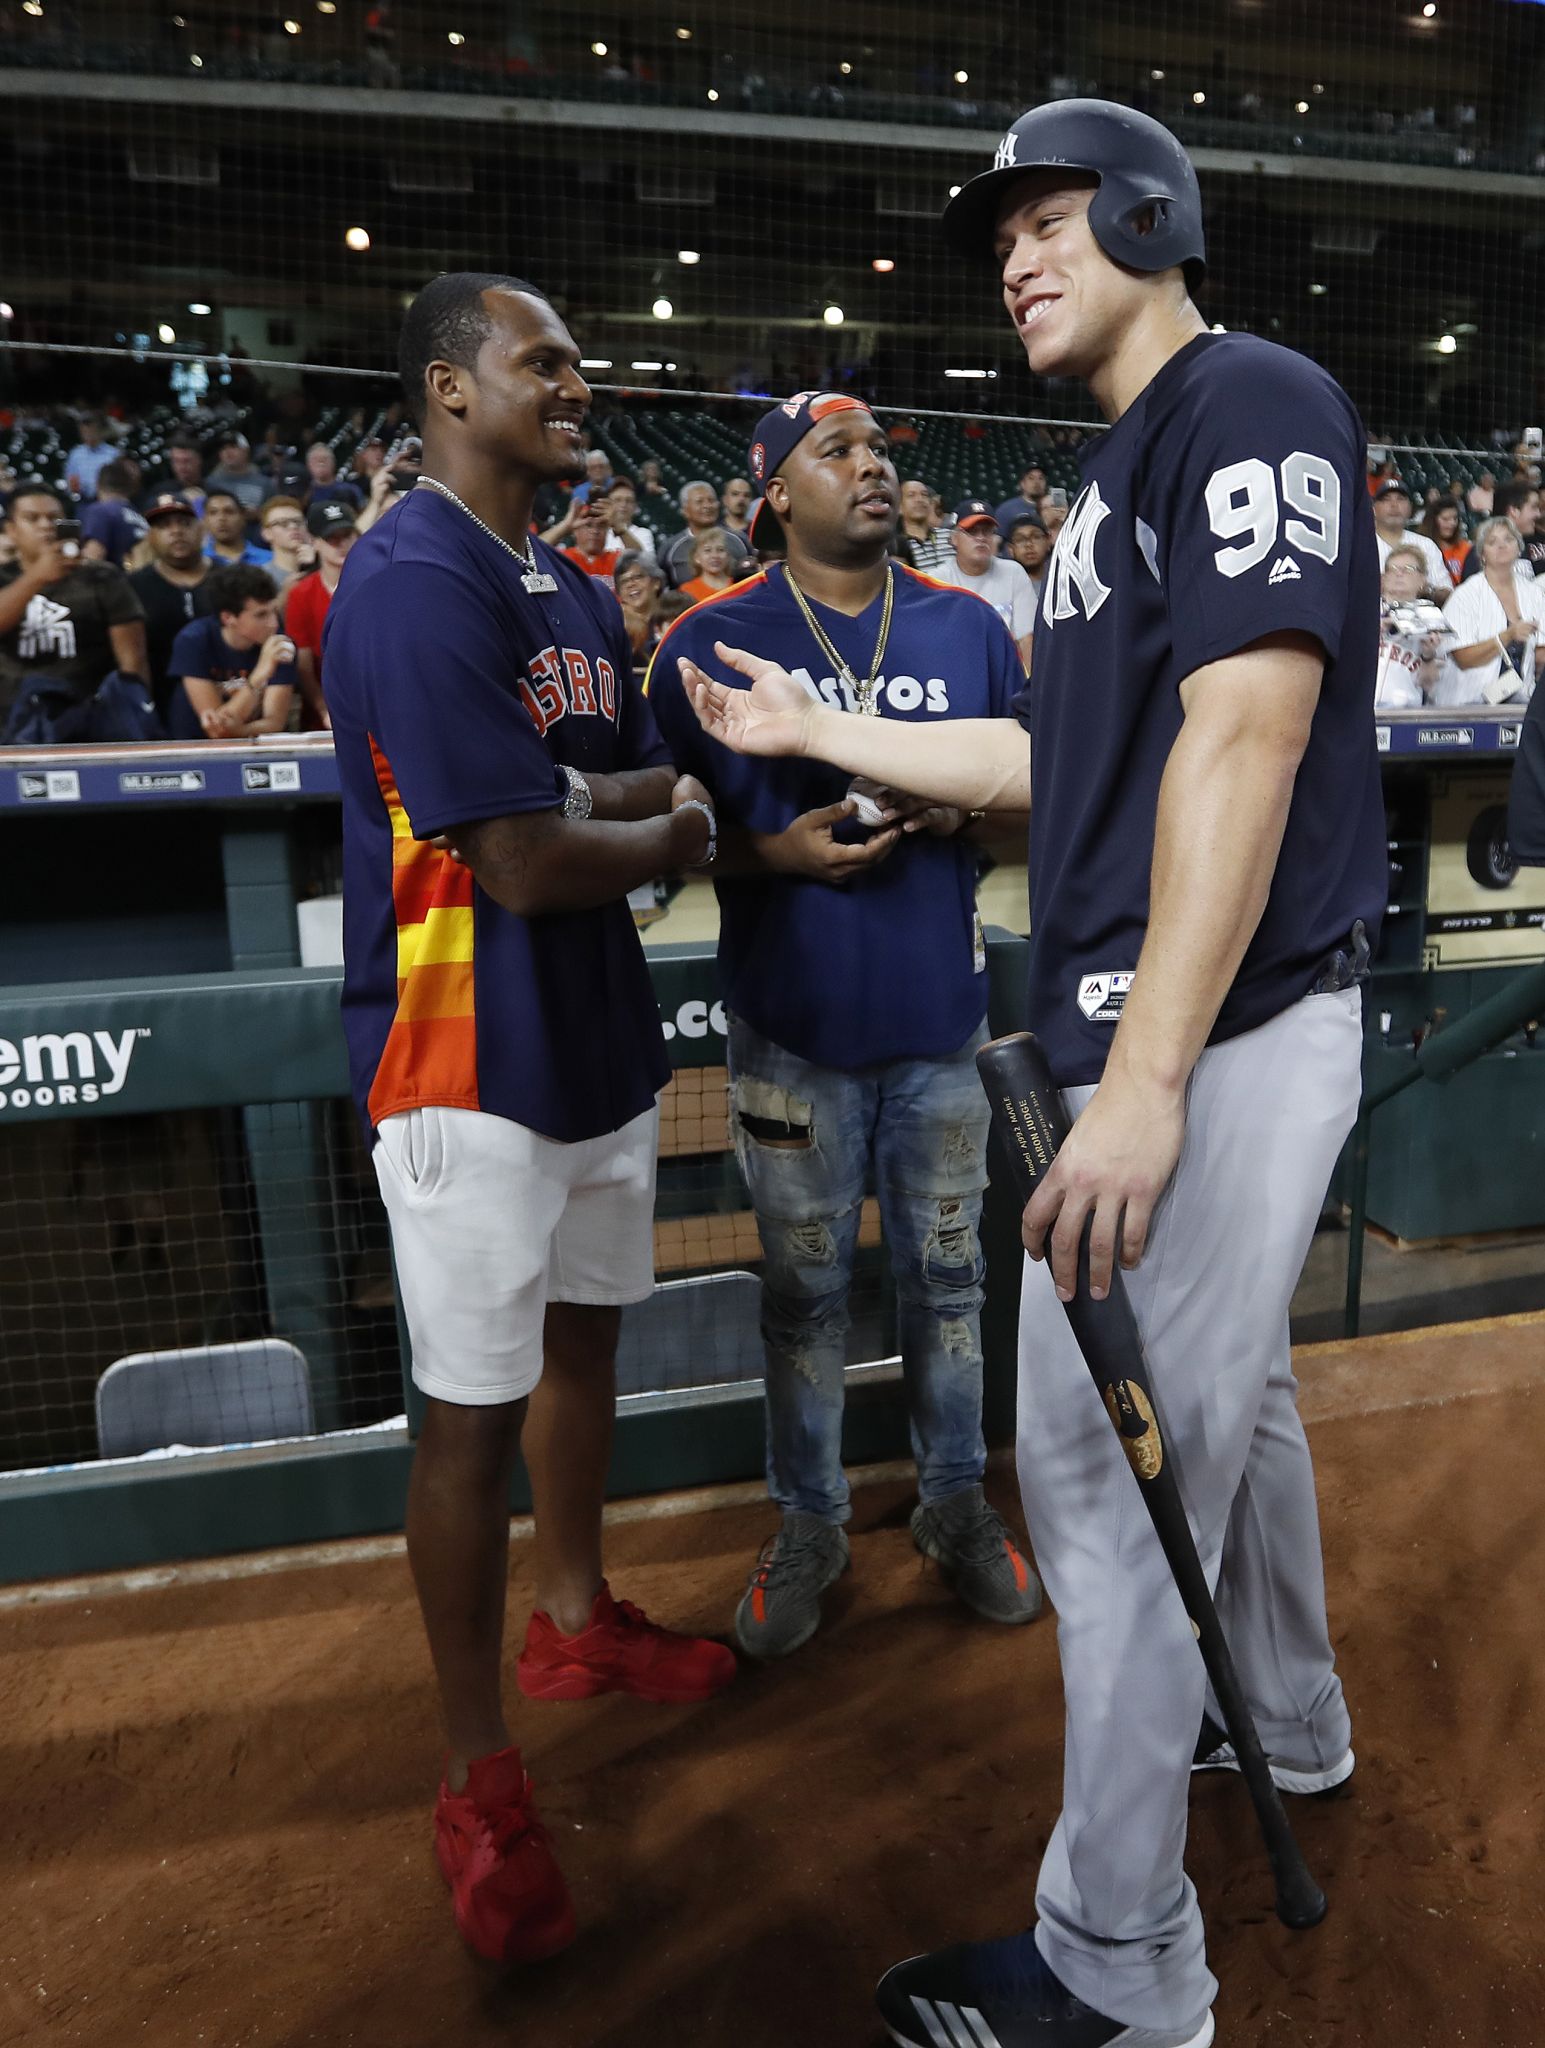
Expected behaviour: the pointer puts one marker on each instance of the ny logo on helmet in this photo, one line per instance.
(1006, 157)
(1072, 566)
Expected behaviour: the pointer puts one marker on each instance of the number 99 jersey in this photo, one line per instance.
(1225, 505)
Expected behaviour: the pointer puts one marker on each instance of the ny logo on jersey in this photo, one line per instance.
(47, 629)
(1007, 155)
(1072, 566)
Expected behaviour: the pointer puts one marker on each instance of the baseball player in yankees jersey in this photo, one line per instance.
(1207, 873)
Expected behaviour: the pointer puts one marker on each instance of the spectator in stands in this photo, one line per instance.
(182, 471)
(225, 520)
(1392, 523)
(236, 669)
(593, 547)
(1408, 670)
(369, 458)
(170, 587)
(1053, 509)
(1032, 485)
(322, 474)
(620, 505)
(236, 473)
(387, 488)
(1479, 498)
(89, 457)
(650, 483)
(282, 524)
(711, 565)
(920, 540)
(735, 503)
(975, 566)
(1519, 501)
(1495, 617)
(598, 474)
(1443, 527)
(333, 527)
(640, 587)
(62, 617)
(700, 508)
(1026, 540)
(110, 526)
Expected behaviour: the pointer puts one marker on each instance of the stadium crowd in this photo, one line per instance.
(189, 601)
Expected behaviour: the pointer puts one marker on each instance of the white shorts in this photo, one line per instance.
(491, 1221)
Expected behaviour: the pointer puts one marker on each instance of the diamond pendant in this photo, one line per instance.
(539, 583)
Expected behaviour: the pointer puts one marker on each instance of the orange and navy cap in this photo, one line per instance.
(780, 431)
(975, 512)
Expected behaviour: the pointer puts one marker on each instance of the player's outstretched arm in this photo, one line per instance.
(975, 764)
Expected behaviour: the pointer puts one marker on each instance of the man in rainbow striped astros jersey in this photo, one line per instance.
(505, 1046)
(853, 970)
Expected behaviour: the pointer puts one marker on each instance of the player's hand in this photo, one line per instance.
(807, 847)
(1115, 1164)
(772, 717)
(911, 813)
(688, 790)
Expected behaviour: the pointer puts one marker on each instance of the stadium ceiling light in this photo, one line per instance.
(670, 366)
(646, 366)
(455, 38)
(683, 35)
(846, 69)
(34, 8)
(689, 256)
(962, 78)
(954, 191)
(884, 264)
(713, 97)
(1198, 99)
(327, 6)
(292, 28)
(166, 334)
(196, 61)
(198, 307)
(598, 49)
(1316, 89)
(179, 21)
(595, 362)
(358, 239)
(1429, 12)
(1157, 77)
(966, 373)
(7, 310)
(662, 309)
(1318, 291)
(1446, 344)
(1466, 327)
(1300, 106)
(834, 316)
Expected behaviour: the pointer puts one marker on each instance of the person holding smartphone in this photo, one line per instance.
(62, 617)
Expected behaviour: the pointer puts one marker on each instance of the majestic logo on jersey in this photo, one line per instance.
(1103, 997)
(1072, 566)
(1008, 153)
(557, 685)
(47, 630)
(1285, 570)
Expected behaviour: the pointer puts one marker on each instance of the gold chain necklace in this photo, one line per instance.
(866, 692)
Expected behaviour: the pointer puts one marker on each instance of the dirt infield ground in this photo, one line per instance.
(214, 1797)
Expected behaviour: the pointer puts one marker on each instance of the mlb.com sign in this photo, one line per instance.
(58, 1069)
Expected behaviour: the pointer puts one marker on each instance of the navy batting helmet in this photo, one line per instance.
(1141, 167)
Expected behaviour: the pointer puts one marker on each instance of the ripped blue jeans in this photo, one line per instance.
(807, 1138)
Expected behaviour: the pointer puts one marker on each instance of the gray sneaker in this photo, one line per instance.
(982, 1565)
(782, 1607)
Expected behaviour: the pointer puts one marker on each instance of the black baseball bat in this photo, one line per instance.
(1028, 1126)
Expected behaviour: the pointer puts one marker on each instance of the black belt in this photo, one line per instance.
(1347, 967)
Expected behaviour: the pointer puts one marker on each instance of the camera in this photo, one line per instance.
(1534, 440)
(67, 533)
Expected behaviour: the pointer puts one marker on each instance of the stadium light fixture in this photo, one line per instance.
(327, 6)
(689, 256)
(962, 78)
(834, 316)
(954, 191)
(34, 8)
(846, 69)
(1446, 344)
(646, 366)
(292, 28)
(358, 239)
(598, 49)
(683, 35)
(1157, 77)
(1300, 106)
(7, 310)
(670, 366)
(713, 97)
(1317, 90)
(166, 334)
(976, 374)
(179, 21)
(884, 264)
(1198, 99)
(662, 309)
(1429, 12)
(196, 61)
(595, 362)
(198, 308)
(1318, 291)
(455, 38)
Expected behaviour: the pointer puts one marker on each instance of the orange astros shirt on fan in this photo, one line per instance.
(455, 694)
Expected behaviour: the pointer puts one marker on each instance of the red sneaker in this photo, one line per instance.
(620, 1650)
(512, 1904)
